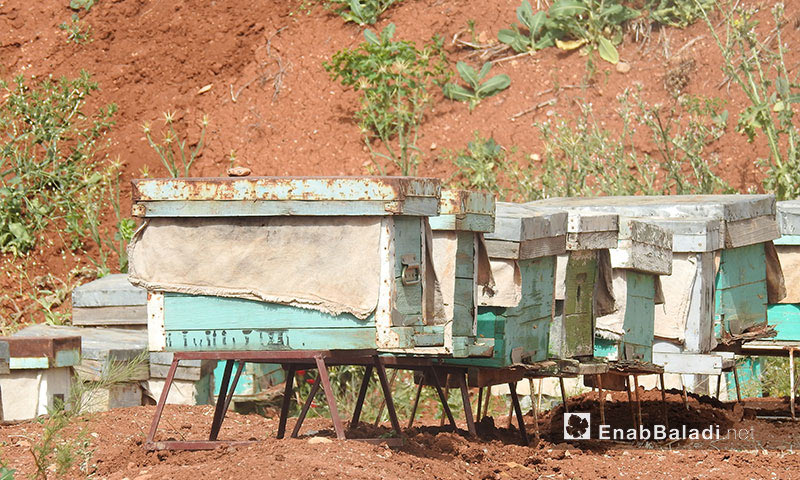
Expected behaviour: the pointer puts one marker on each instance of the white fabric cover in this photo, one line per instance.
(330, 264)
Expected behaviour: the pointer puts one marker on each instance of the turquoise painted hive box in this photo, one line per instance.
(516, 314)
(287, 263)
(784, 315)
(459, 257)
(583, 290)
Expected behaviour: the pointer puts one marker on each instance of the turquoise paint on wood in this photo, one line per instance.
(67, 358)
(522, 330)
(787, 240)
(604, 348)
(749, 371)
(271, 339)
(741, 289)
(785, 318)
(639, 315)
(198, 312)
(408, 241)
(26, 363)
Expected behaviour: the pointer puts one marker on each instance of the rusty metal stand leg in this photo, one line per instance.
(601, 399)
(518, 410)
(219, 411)
(462, 383)
(162, 400)
(486, 401)
(638, 401)
(719, 382)
(383, 402)
(446, 395)
(362, 394)
(416, 401)
(539, 394)
(326, 385)
(304, 411)
(563, 394)
(664, 400)
(791, 383)
(630, 400)
(232, 388)
(736, 380)
(387, 393)
(287, 398)
(478, 406)
(442, 397)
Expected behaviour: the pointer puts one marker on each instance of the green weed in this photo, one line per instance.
(480, 165)
(757, 66)
(394, 79)
(172, 148)
(362, 12)
(50, 155)
(82, 4)
(77, 30)
(477, 89)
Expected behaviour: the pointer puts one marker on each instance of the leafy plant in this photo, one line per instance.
(677, 13)
(593, 25)
(55, 446)
(84, 4)
(362, 12)
(77, 30)
(394, 78)
(476, 89)
(481, 164)
(49, 161)
(760, 72)
(172, 148)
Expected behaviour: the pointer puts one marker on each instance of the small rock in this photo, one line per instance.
(609, 398)
(623, 67)
(433, 146)
(315, 440)
(238, 171)
(483, 37)
(535, 157)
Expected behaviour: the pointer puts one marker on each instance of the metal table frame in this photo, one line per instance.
(292, 361)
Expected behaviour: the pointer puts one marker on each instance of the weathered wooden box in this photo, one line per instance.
(581, 291)
(287, 263)
(517, 314)
(784, 316)
(110, 301)
(192, 384)
(457, 246)
(39, 374)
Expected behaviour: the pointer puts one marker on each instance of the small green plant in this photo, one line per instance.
(593, 25)
(173, 149)
(394, 79)
(677, 13)
(481, 165)
(56, 447)
(81, 4)
(362, 12)
(759, 70)
(476, 89)
(50, 156)
(77, 30)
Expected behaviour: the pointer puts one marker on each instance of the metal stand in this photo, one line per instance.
(319, 359)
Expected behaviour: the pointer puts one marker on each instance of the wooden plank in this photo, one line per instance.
(36, 349)
(691, 234)
(639, 315)
(699, 332)
(788, 240)
(352, 189)
(578, 317)
(271, 339)
(96, 370)
(156, 333)
(183, 392)
(385, 337)
(740, 266)
(408, 241)
(641, 257)
(96, 343)
(544, 247)
(113, 290)
(643, 232)
(468, 222)
(196, 312)
(464, 308)
(4, 358)
(741, 289)
(182, 373)
(788, 217)
(110, 316)
(751, 231)
(516, 222)
(785, 318)
(689, 363)
(591, 240)
(502, 249)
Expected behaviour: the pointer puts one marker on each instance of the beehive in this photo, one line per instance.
(784, 315)
(457, 245)
(268, 263)
(517, 315)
